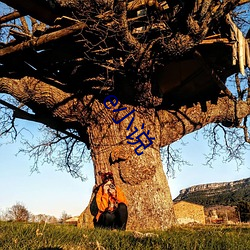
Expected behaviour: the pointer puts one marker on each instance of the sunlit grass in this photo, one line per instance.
(37, 236)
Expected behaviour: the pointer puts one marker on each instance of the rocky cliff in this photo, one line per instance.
(225, 193)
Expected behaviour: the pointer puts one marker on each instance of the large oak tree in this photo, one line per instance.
(164, 62)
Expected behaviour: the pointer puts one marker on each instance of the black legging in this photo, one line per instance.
(116, 219)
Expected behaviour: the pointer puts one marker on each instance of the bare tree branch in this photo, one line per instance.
(187, 120)
(38, 42)
(172, 159)
(9, 17)
(61, 150)
(227, 144)
(42, 10)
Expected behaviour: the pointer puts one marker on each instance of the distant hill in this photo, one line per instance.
(225, 193)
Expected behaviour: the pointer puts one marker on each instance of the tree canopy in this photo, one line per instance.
(153, 54)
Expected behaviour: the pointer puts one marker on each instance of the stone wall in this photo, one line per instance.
(186, 212)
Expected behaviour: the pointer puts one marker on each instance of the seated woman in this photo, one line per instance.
(112, 204)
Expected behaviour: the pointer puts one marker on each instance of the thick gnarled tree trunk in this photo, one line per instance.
(146, 188)
(141, 177)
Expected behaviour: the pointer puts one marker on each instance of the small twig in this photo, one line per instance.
(237, 82)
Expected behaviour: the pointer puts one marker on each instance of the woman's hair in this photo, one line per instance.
(107, 176)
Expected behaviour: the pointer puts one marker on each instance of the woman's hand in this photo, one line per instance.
(106, 188)
(112, 191)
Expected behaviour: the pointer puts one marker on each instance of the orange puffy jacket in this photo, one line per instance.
(102, 200)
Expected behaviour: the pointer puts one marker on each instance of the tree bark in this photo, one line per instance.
(9, 17)
(141, 177)
(45, 39)
(150, 203)
(41, 10)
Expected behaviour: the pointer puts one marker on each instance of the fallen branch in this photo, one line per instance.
(40, 10)
(9, 17)
(217, 40)
(19, 35)
(213, 74)
(44, 39)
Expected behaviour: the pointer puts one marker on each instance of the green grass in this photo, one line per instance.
(25, 236)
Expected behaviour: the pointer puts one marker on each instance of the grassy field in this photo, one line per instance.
(42, 236)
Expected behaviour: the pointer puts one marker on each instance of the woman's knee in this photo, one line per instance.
(122, 206)
(108, 217)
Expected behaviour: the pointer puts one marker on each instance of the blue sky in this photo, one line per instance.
(48, 192)
(52, 192)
